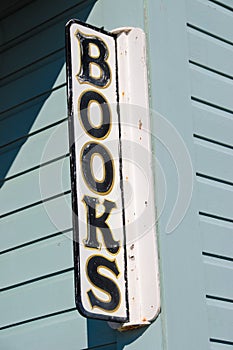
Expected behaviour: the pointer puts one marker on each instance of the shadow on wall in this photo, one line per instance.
(32, 71)
(102, 336)
(32, 67)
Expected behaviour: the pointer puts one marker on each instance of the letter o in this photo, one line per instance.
(101, 131)
(89, 150)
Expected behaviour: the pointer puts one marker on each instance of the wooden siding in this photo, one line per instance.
(37, 288)
(190, 45)
(210, 35)
(182, 272)
(37, 308)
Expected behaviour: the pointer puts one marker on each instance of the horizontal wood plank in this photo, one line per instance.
(42, 49)
(215, 198)
(227, 3)
(212, 123)
(217, 236)
(48, 334)
(37, 299)
(20, 228)
(20, 27)
(220, 316)
(44, 16)
(218, 277)
(38, 81)
(211, 18)
(211, 87)
(214, 160)
(219, 346)
(13, 69)
(42, 183)
(35, 150)
(210, 52)
(37, 114)
(53, 30)
(47, 257)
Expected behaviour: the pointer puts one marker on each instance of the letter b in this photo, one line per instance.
(87, 60)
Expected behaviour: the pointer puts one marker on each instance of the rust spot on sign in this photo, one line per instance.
(140, 124)
(129, 328)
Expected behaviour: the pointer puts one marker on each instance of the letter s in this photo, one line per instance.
(103, 283)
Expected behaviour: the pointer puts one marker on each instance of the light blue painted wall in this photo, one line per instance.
(182, 277)
(37, 308)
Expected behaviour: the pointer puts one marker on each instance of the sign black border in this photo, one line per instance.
(73, 170)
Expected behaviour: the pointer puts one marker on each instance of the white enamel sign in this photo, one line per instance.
(115, 253)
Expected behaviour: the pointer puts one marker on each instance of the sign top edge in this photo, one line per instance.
(90, 26)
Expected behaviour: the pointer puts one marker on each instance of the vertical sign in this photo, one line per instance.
(115, 249)
(96, 173)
